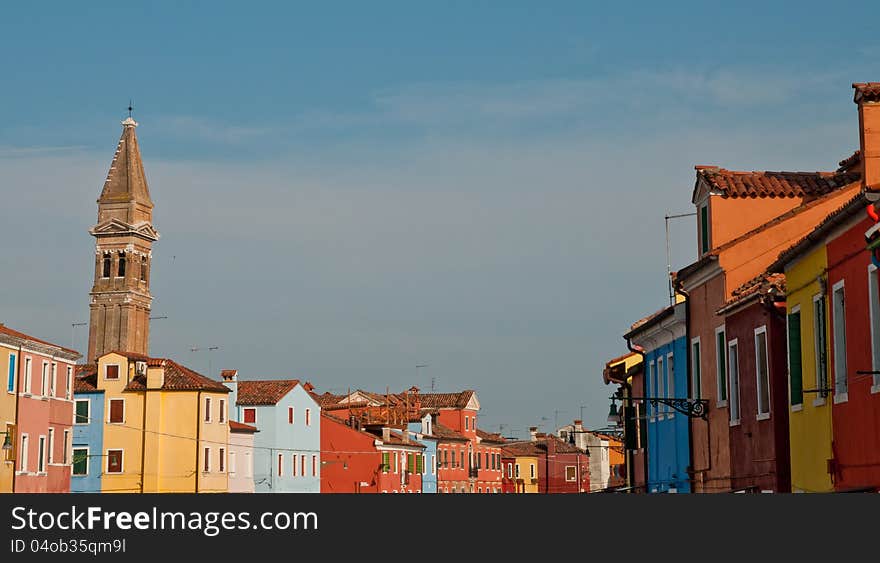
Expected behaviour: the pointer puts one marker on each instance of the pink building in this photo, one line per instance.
(39, 399)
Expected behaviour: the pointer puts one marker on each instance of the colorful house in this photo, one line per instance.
(743, 218)
(627, 372)
(548, 465)
(351, 462)
(88, 432)
(37, 413)
(487, 460)
(165, 426)
(521, 460)
(287, 456)
(755, 324)
(661, 339)
(452, 458)
(241, 457)
(420, 429)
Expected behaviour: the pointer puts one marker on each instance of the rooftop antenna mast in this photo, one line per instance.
(667, 217)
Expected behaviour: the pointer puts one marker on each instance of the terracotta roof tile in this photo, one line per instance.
(446, 400)
(134, 356)
(86, 378)
(866, 92)
(178, 378)
(851, 161)
(490, 437)
(16, 334)
(738, 184)
(241, 427)
(264, 392)
(764, 284)
(445, 433)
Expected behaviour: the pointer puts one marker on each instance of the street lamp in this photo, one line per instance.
(7, 443)
(692, 408)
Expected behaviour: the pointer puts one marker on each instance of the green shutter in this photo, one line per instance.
(80, 461)
(420, 464)
(721, 349)
(386, 461)
(410, 463)
(795, 368)
(704, 229)
(82, 412)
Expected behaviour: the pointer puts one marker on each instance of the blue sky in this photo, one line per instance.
(346, 190)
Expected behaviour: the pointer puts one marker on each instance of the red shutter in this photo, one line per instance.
(116, 408)
(112, 372)
(250, 416)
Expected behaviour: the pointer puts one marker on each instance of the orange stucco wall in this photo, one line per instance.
(732, 217)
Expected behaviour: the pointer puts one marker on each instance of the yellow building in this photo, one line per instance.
(165, 426)
(8, 367)
(810, 417)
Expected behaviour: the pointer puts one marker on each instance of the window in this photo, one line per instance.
(510, 471)
(410, 463)
(420, 464)
(695, 368)
(386, 462)
(461, 456)
(532, 470)
(207, 459)
(704, 228)
(232, 457)
(570, 473)
(466, 423)
(221, 417)
(23, 464)
(248, 465)
(105, 269)
(762, 372)
(670, 385)
(82, 411)
(661, 384)
(121, 266)
(819, 344)
(41, 456)
(53, 382)
(652, 374)
(207, 409)
(250, 416)
(222, 465)
(874, 299)
(433, 466)
(302, 465)
(308, 417)
(289, 415)
(10, 380)
(281, 463)
(114, 461)
(314, 466)
(66, 446)
(80, 461)
(733, 371)
(44, 380)
(293, 470)
(721, 364)
(795, 369)
(839, 320)
(117, 411)
(517, 471)
(51, 446)
(69, 390)
(111, 371)
(143, 268)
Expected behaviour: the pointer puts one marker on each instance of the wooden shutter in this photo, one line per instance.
(410, 463)
(386, 461)
(116, 408)
(795, 368)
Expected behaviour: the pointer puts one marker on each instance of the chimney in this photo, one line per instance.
(229, 375)
(579, 425)
(867, 97)
(308, 386)
(230, 380)
(533, 433)
(386, 433)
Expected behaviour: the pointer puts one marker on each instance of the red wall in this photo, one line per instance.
(759, 451)
(342, 444)
(856, 422)
(551, 473)
(453, 474)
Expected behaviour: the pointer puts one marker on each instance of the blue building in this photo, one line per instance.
(88, 433)
(421, 431)
(662, 338)
(287, 448)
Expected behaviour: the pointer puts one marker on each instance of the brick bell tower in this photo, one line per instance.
(119, 316)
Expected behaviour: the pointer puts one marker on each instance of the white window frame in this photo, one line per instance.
(433, 465)
(222, 460)
(708, 242)
(118, 372)
(72, 464)
(314, 465)
(670, 382)
(206, 451)
(517, 470)
(69, 391)
(28, 375)
(874, 300)
(41, 455)
(734, 405)
(652, 382)
(661, 385)
(53, 382)
(308, 417)
(696, 367)
(248, 465)
(44, 380)
(794, 311)
(232, 467)
(574, 479)
(722, 330)
(51, 455)
(121, 461)
(67, 458)
(758, 394)
(820, 399)
(88, 403)
(841, 384)
(23, 457)
(291, 415)
(244, 415)
(110, 409)
(209, 418)
(221, 416)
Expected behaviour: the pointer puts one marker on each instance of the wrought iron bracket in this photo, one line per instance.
(692, 408)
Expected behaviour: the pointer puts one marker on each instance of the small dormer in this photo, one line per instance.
(155, 373)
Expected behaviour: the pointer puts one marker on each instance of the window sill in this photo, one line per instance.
(875, 389)
(20, 473)
(841, 398)
(763, 416)
(734, 423)
(797, 408)
(25, 394)
(819, 402)
(720, 404)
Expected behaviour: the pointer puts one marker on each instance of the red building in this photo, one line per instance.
(488, 461)
(452, 458)
(562, 467)
(754, 318)
(508, 481)
(38, 403)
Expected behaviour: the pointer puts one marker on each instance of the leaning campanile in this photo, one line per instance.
(119, 309)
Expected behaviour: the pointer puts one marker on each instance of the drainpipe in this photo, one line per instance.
(688, 360)
(198, 434)
(144, 438)
(640, 351)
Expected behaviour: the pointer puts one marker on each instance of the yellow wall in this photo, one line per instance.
(523, 463)
(7, 418)
(810, 425)
(176, 432)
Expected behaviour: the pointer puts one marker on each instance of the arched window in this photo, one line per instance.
(105, 271)
(143, 268)
(121, 268)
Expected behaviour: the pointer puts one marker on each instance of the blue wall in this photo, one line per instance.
(668, 430)
(429, 477)
(277, 436)
(90, 436)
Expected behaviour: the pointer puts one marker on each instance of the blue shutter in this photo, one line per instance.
(10, 383)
